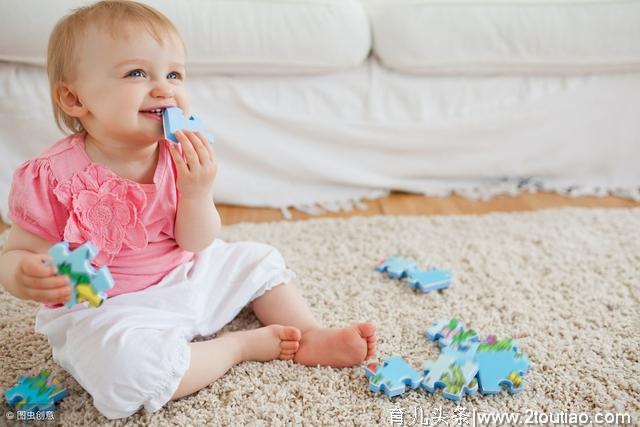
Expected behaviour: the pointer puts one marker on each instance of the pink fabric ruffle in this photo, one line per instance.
(105, 210)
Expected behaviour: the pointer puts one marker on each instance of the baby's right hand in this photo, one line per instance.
(38, 280)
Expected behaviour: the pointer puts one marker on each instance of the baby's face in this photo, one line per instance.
(124, 81)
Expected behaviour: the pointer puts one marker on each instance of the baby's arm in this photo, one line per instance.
(24, 272)
(197, 219)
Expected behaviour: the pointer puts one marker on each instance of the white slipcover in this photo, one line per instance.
(222, 36)
(506, 36)
(343, 136)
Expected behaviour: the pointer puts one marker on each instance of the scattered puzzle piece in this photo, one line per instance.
(465, 365)
(87, 283)
(35, 394)
(450, 332)
(173, 120)
(500, 363)
(429, 280)
(396, 267)
(504, 344)
(456, 379)
(393, 377)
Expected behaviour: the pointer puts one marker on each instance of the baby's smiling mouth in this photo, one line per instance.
(157, 111)
(154, 114)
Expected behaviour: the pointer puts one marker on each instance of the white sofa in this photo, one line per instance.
(320, 103)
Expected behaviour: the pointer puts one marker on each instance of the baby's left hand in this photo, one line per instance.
(197, 166)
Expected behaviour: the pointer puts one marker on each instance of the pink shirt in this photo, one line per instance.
(63, 195)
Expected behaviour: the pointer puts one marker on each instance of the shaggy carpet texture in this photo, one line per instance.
(565, 283)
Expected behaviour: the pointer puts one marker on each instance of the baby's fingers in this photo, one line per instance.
(200, 145)
(55, 295)
(39, 283)
(36, 266)
(190, 154)
(181, 165)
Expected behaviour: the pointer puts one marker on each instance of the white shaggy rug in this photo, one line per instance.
(565, 283)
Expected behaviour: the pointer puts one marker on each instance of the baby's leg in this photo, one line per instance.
(213, 358)
(339, 347)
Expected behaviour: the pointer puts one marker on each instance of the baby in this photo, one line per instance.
(146, 204)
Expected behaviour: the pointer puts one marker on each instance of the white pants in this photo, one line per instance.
(133, 350)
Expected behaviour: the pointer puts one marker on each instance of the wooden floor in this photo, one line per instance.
(411, 204)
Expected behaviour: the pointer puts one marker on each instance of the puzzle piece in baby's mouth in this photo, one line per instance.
(174, 120)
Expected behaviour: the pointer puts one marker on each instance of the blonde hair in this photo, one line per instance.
(109, 15)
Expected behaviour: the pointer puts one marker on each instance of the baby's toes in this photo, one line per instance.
(290, 333)
(289, 346)
(288, 349)
(371, 344)
(367, 330)
(371, 349)
(286, 355)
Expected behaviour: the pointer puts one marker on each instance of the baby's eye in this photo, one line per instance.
(135, 73)
(174, 75)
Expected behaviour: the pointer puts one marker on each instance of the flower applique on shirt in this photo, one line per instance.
(105, 210)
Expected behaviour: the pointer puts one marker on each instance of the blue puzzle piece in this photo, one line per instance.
(396, 267)
(450, 332)
(393, 377)
(498, 366)
(504, 344)
(35, 394)
(429, 280)
(454, 375)
(499, 362)
(173, 120)
(87, 283)
(462, 354)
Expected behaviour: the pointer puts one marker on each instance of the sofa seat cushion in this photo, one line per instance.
(504, 36)
(222, 36)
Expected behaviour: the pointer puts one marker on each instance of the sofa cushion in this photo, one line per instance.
(227, 36)
(503, 36)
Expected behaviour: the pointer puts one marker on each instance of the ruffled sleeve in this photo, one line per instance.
(32, 203)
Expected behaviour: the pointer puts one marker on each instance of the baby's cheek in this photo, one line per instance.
(183, 103)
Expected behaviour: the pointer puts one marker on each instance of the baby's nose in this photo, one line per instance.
(162, 90)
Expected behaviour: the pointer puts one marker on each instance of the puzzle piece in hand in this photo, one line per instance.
(35, 394)
(429, 280)
(396, 267)
(87, 283)
(174, 120)
(392, 377)
(450, 332)
(448, 372)
(500, 363)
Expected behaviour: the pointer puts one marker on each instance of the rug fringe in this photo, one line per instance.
(515, 186)
(345, 205)
(476, 191)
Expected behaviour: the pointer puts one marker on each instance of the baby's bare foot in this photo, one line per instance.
(267, 343)
(339, 347)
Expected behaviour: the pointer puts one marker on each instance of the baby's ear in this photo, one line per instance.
(67, 99)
